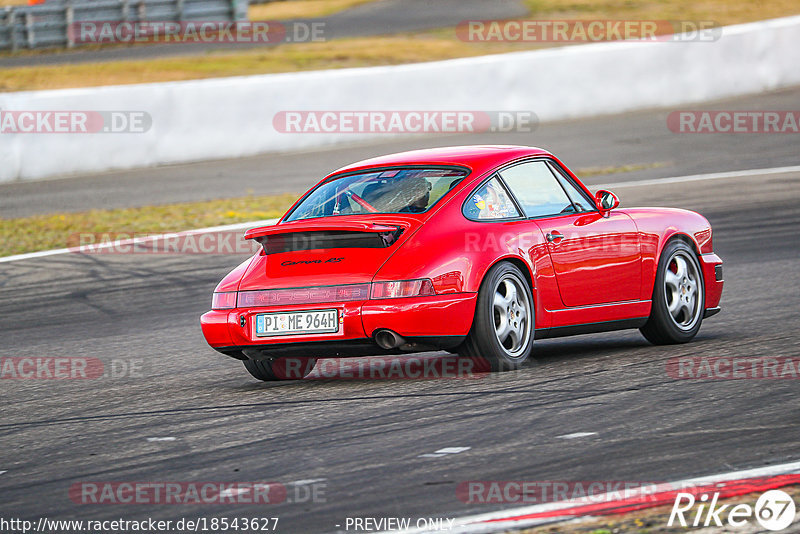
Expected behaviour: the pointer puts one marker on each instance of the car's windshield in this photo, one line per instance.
(401, 190)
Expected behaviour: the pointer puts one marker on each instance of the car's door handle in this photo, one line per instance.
(553, 236)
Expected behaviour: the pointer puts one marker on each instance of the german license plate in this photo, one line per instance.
(300, 322)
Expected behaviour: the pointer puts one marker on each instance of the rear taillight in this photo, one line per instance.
(323, 294)
(303, 295)
(402, 288)
(223, 301)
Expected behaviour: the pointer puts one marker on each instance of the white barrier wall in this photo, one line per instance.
(231, 117)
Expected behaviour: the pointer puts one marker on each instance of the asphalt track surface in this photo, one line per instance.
(641, 139)
(365, 437)
(383, 17)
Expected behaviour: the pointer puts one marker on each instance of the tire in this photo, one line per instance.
(280, 369)
(496, 338)
(678, 297)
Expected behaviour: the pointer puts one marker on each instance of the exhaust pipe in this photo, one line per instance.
(387, 339)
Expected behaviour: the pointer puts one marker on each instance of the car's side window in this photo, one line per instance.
(536, 189)
(491, 202)
(578, 199)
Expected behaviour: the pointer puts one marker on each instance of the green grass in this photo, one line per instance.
(296, 9)
(44, 232)
(587, 172)
(722, 11)
(361, 52)
(370, 51)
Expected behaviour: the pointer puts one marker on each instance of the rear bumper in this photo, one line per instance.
(440, 321)
(712, 274)
(351, 348)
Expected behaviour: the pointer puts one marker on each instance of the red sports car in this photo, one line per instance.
(477, 250)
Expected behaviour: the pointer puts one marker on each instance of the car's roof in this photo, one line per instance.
(475, 157)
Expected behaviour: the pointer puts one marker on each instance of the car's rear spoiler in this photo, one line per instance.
(312, 235)
(320, 226)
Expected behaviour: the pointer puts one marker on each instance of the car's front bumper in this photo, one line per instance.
(433, 321)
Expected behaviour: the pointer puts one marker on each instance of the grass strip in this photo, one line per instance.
(45, 232)
(371, 51)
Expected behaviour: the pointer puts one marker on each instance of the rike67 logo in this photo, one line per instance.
(774, 510)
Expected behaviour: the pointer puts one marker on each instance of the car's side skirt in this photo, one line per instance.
(590, 328)
(598, 313)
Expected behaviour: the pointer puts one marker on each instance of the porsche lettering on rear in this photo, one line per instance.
(288, 263)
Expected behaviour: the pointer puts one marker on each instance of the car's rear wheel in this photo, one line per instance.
(280, 368)
(502, 330)
(678, 297)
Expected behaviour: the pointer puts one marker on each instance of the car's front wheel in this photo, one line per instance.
(678, 297)
(280, 368)
(503, 327)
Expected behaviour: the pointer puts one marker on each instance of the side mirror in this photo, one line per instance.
(605, 201)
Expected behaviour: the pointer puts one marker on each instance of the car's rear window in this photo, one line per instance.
(401, 190)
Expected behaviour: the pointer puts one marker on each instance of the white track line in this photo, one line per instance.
(577, 435)
(137, 240)
(233, 492)
(444, 452)
(241, 226)
(701, 177)
(477, 523)
(306, 482)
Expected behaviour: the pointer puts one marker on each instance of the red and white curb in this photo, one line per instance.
(726, 484)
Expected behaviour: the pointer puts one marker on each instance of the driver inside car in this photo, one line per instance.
(419, 193)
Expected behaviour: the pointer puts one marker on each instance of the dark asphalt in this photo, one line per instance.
(365, 437)
(640, 138)
(383, 17)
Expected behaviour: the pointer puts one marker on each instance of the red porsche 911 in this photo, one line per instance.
(477, 250)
